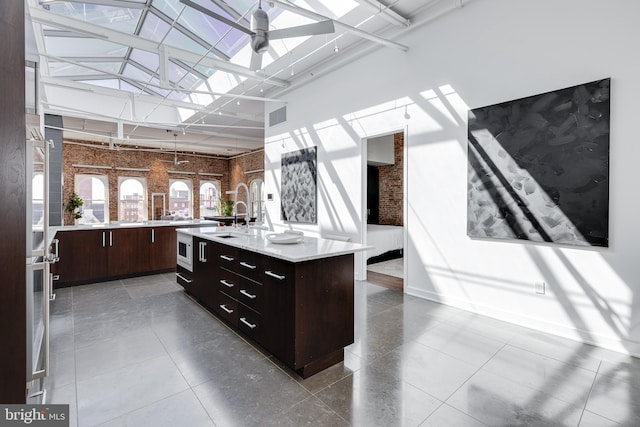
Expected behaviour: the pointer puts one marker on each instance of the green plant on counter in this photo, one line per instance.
(73, 205)
(226, 206)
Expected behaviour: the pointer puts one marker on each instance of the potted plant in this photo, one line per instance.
(226, 206)
(73, 205)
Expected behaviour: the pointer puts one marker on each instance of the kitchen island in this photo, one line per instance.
(295, 300)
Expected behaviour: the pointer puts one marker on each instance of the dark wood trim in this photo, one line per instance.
(385, 281)
(13, 329)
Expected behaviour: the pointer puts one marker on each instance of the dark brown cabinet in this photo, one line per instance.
(83, 255)
(300, 312)
(127, 251)
(162, 248)
(88, 256)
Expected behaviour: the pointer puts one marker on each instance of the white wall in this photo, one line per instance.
(489, 51)
(381, 150)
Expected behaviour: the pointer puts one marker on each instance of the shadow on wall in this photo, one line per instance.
(434, 116)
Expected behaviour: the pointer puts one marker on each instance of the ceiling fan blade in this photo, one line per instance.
(322, 27)
(256, 61)
(216, 16)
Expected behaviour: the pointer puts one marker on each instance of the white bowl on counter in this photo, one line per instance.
(284, 238)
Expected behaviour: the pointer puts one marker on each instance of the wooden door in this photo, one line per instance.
(162, 248)
(83, 256)
(128, 250)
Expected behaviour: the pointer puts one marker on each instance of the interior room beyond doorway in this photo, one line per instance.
(385, 210)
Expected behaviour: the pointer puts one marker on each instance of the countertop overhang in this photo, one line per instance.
(255, 240)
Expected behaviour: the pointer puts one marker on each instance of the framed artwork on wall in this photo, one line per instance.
(299, 186)
(538, 167)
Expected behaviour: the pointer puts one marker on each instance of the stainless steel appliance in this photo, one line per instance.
(39, 286)
(185, 251)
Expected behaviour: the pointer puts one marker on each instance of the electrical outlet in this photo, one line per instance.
(539, 287)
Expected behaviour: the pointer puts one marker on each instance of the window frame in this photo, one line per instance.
(145, 199)
(218, 186)
(105, 182)
(189, 184)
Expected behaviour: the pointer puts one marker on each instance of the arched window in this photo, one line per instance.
(93, 190)
(180, 200)
(209, 193)
(132, 200)
(256, 189)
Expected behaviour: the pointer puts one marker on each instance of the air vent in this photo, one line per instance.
(278, 116)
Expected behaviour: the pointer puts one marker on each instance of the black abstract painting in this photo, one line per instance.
(298, 201)
(538, 167)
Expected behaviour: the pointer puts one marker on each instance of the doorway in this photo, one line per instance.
(385, 210)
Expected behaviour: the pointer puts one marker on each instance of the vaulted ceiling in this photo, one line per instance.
(147, 72)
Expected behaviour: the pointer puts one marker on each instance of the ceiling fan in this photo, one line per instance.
(259, 30)
(175, 161)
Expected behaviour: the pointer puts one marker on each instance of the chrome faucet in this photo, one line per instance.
(246, 210)
(240, 202)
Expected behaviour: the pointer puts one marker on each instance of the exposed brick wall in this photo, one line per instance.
(157, 177)
(392, 186)
(246, 162)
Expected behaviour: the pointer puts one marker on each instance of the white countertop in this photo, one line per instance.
(254, 240)
(159, 223)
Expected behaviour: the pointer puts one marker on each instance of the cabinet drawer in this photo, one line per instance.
(227, 308)
(250, 294)
(276, 271)
(250, 323)
(248, 265)
(184, 278)
(228, 283)
(226, 256)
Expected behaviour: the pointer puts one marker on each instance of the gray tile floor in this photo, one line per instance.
(139, 352)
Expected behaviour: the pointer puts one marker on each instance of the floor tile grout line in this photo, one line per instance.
(182, 375)
(554, 358)
(75, 359)
(593, 384)
(468, 379)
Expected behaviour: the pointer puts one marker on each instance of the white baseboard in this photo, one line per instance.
(616, 344)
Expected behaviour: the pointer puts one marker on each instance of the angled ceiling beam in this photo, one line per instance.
(196, 108)
(386, 13)
(43, 17)
(110, 3)
(161, 86)
(357, 31)
(80, 114)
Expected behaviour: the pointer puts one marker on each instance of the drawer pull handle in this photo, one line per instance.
(277, 276)
(224, 307)
(227, 284)
(226, 258)
(244, 264)
(247, 294)
(243, 320)
(181, 277)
